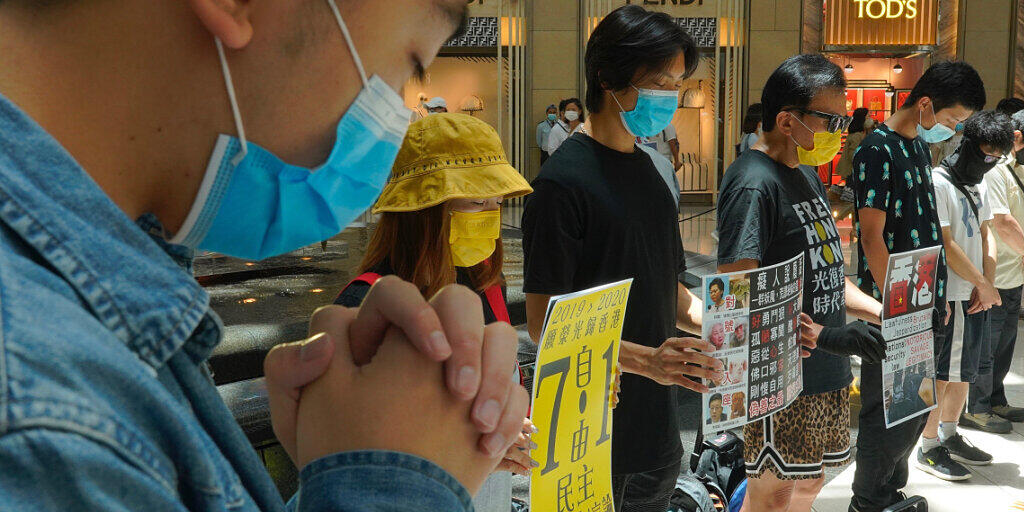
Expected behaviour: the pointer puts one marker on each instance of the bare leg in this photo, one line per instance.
(804, 494)
(768, 494)
(931, 429)
(954, 400)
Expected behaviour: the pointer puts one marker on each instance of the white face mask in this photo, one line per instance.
(571, 115)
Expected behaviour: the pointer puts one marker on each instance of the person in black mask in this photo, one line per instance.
(965, 217)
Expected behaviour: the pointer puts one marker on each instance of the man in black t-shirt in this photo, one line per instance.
(896, 212)
(772, 207)
(602, 212)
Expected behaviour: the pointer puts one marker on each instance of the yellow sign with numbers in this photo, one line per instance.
(575, 374)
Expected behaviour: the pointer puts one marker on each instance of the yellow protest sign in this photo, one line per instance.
(576, 364)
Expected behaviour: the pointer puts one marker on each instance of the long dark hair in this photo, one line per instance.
(859, 115)
(752, 117)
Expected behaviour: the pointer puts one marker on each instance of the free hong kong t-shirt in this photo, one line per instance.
(892, 173)
(597, 216)
(769, 212)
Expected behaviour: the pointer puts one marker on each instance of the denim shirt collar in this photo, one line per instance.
(137, 285)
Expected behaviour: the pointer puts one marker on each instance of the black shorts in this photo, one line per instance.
(958, 344)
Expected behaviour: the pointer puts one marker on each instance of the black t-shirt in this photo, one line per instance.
(597, 216)
(353, 294)
(892, 173)
(770, 213)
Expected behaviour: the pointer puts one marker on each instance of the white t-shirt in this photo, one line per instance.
(748, 139)
(1005, 197)
(956, 213)
(660, 143)
(559, 133)
(664, 168)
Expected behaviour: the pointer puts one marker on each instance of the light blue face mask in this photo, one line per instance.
(253, 205)
(552, 117)
(653, 111)
(937, 133)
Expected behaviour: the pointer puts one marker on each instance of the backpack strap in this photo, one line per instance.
(368, 278)
(963, 190)
(698, 446)
(1013, 172)
(496, 300)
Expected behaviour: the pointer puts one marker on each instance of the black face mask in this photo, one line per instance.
(1020, 157)
(967, 165)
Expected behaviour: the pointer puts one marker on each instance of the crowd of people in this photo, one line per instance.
(406, 395)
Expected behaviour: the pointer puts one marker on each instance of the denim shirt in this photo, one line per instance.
(105, 400)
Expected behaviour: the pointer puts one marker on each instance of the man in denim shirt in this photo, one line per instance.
(108, 111)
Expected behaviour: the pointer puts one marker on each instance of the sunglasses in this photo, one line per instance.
(834, 122)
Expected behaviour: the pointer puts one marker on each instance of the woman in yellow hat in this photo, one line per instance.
(441, 224)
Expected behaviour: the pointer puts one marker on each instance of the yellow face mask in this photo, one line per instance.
(474, 236)
(826, 147)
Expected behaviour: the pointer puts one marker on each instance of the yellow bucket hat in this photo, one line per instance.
(449, 156)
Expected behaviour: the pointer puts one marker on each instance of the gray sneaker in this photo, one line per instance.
(1014, 414)
(986, 422)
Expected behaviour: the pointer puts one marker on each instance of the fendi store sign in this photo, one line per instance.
(881, 22)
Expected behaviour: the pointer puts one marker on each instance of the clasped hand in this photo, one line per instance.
(401, 374)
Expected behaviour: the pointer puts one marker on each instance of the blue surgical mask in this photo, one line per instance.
(937, 133)
(253, 205)
(653, 111)
(552, 117)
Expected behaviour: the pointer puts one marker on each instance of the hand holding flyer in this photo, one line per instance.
(752, 320)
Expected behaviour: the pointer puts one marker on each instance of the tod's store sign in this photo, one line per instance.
(881, 22)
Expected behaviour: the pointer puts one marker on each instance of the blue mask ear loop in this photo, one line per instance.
(231, 86)
(920, 116)
(348, 41)
(234, 104)
(622, 110)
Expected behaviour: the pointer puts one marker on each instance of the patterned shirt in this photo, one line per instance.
(892, 173)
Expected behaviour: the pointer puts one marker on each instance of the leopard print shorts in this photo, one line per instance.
(797, 442)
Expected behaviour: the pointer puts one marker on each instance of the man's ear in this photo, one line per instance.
(227, 20)
(1018, 140)
(784, 122)
(923, 102)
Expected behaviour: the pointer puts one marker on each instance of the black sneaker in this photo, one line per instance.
(961, 450)
(937, 462)
(986, 422)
